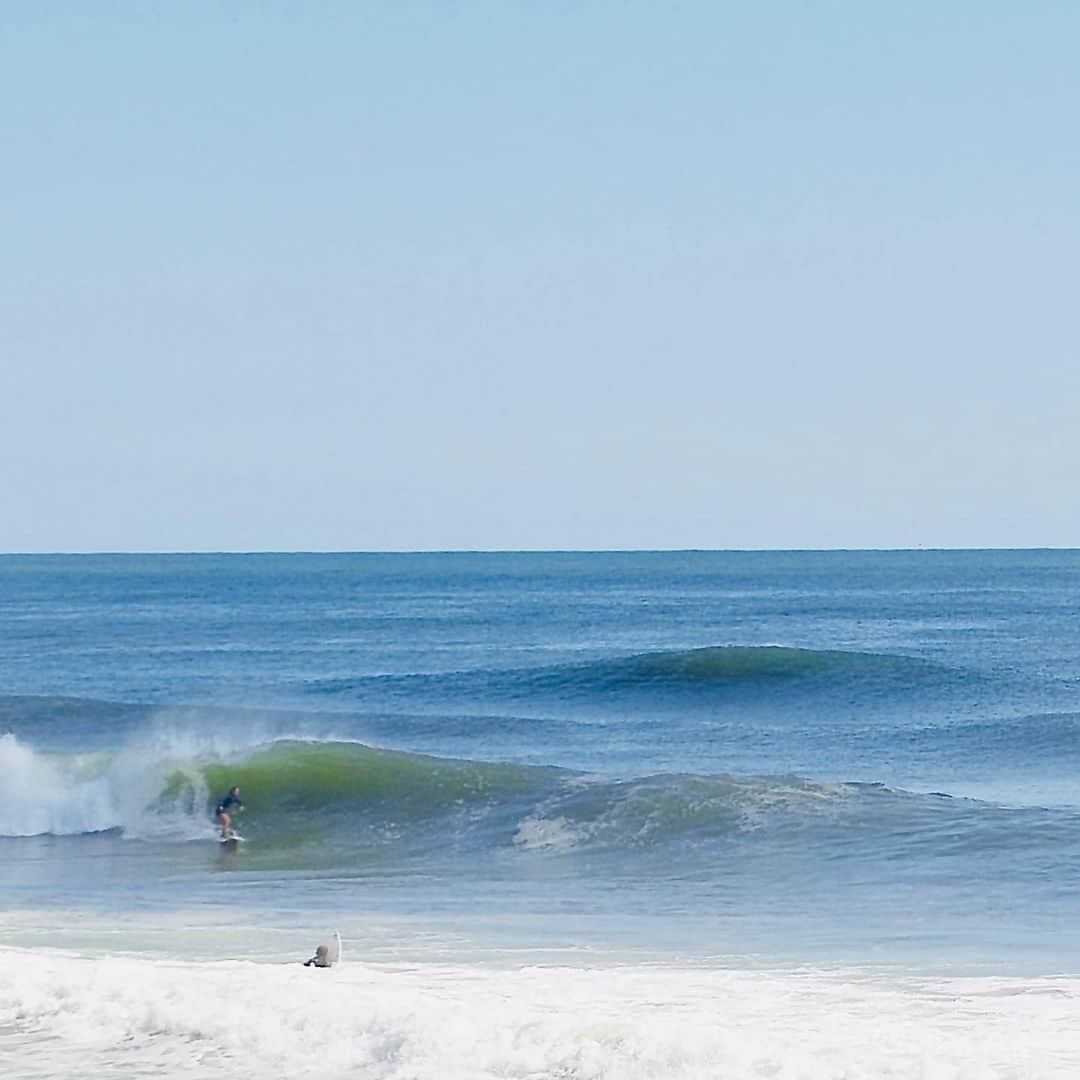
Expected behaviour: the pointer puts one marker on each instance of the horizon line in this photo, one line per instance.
(117, 552)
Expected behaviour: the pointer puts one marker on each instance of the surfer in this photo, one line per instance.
(327, 955)
(222, 813)
(320, 959)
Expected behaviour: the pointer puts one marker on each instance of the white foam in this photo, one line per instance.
(547, 834)
(69, 794)
(40, 794)
(86, 793)
(64, 1014)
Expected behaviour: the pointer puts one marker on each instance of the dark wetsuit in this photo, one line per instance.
(228, 803)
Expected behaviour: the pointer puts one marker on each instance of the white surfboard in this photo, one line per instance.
(333, 949)
(232, 838)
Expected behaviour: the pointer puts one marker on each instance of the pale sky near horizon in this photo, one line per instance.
(549, 275)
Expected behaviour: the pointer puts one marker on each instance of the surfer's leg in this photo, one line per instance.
(226, 824)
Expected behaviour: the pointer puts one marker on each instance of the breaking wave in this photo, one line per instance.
(356, 797)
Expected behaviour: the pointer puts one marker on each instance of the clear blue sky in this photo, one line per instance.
(531, 275)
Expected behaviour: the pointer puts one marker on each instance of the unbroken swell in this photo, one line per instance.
(716, 671)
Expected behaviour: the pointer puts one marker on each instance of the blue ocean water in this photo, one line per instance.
(792, 757)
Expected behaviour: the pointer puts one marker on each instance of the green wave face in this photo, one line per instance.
(695, 672)
(733, 666)
(735, 663)
(347, 808)
(323, 778)
(349, 789)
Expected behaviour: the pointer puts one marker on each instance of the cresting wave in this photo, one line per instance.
(73, 794)
(153, 790)
(355, 796)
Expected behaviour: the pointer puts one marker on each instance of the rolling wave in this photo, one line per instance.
(710, 671)
(318, 778)
(359, 798)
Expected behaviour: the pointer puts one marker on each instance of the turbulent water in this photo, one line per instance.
(646, 814)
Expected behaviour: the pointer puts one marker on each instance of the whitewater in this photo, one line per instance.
(575, 815)
(137, 1017)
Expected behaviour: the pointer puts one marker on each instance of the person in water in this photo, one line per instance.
(320, 959)
(228, 806)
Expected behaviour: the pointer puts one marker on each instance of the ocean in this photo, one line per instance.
(575, 815)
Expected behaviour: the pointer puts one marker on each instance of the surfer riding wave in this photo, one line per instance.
(230, 804)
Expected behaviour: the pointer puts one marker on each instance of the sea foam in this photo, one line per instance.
(64, 1014)
(73, 794)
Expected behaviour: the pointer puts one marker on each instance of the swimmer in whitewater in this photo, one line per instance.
(229, 805)
(320, 959)
(327, 955)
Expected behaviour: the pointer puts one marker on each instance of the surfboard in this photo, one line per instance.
(232, 838)
(333, 949)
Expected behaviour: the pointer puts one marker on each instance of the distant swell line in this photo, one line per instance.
(711, 668)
